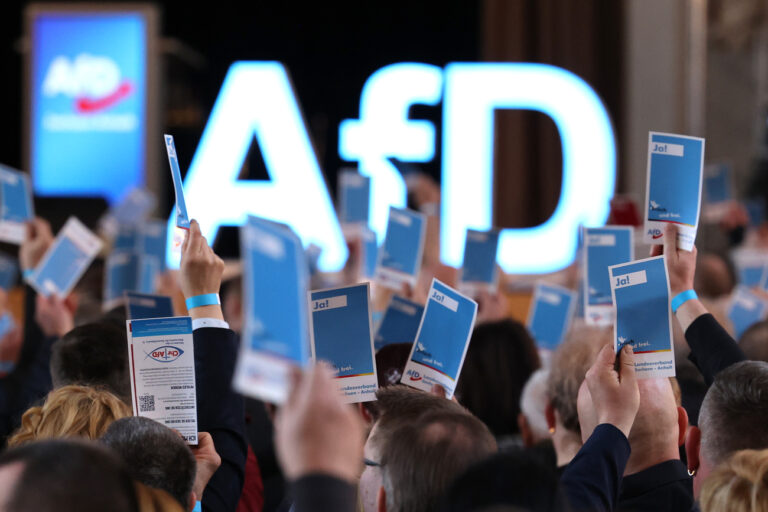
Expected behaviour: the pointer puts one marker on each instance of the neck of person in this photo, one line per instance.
(643, 458)
(567, 444)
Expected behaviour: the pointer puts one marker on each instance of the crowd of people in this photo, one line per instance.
(526, 431)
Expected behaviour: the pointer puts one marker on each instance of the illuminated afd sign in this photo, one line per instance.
(257, 100)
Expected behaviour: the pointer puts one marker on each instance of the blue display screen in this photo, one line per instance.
(88, 119)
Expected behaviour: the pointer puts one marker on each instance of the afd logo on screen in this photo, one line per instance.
(93, 82)
(256, 100)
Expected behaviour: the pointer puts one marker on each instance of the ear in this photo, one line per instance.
(549, 413)
(364, 413)
(192, 501)
(682, 425)
(381, 500)
(693, 447)
(525, 431)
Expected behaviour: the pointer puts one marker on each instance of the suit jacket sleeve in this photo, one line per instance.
(712, 348)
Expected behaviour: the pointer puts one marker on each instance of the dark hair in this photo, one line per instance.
(715, 275)
(390, 363)
(520, 480)
(64, 476)
(501, 358)
(154, 454)
(94, 355)
(400, 403)
(421, 458)
(734, 413)
(754, 342)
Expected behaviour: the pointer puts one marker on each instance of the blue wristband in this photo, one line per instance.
(681, 298)
(198, 301)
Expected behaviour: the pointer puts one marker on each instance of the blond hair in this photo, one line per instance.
(70, 411)
(740, 484)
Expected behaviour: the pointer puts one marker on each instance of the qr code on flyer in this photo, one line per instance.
(147, 403)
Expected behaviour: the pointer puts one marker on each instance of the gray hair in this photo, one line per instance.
(533, 403)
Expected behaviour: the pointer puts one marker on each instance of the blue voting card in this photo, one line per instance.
(479, 271)
(550, 314)
(275, 334)
(717, 183)
(342, 335)
(370, 252)
(128, 271)
(132, 209)
(751, 266)
(66, 260)
(182, 218)
(354, 197)
(442, 340)
(312, 253)
(673, 190)
(752, 275)
(140, 305)
(400, 322)
(602, 248)
(151, 240)
(756, 211)
(643, 317)
(9, 271)
(125, 238)
(149, 269)
(400, 255)
(7, 324)
(746, 309)
(17, 206)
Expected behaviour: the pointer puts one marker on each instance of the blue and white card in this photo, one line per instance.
(133, 209)
(550, 314)
(718, 192)
(151, 241)
(342, 335)
(67, 259)
(370, 252)
(751, 266)
(400, 255)
(602, 248)
(182, 218)
(128, 271)
(313, 253)
(643, 316)
(399, 324)
(17, 206)
(746, 309)
(142, 305)
(673, 187)
(479, 271)
(9, 271)
(756, 211)
(161, 363)
(275, 331)
(354, 200)
(441, 341)
(125, 237)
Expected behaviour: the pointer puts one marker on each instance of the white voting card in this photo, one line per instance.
(17, 206)
(161, 361)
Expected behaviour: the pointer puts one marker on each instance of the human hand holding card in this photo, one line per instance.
(673, 190)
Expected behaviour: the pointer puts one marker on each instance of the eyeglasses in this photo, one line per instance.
(371, 463)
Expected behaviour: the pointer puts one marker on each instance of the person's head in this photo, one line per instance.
(658, 430)
(71, 411)
(715, 276)
(93, 355)
(740, 484)
(533, 404)
(395, 405)
(733, 417)
(754, 342)
(154, 455)
(64, 476)
(568, 367)
(511, 481)
(420, 459)
(500, 359)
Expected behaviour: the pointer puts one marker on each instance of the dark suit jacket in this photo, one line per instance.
(712, 348)
(665, 486)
